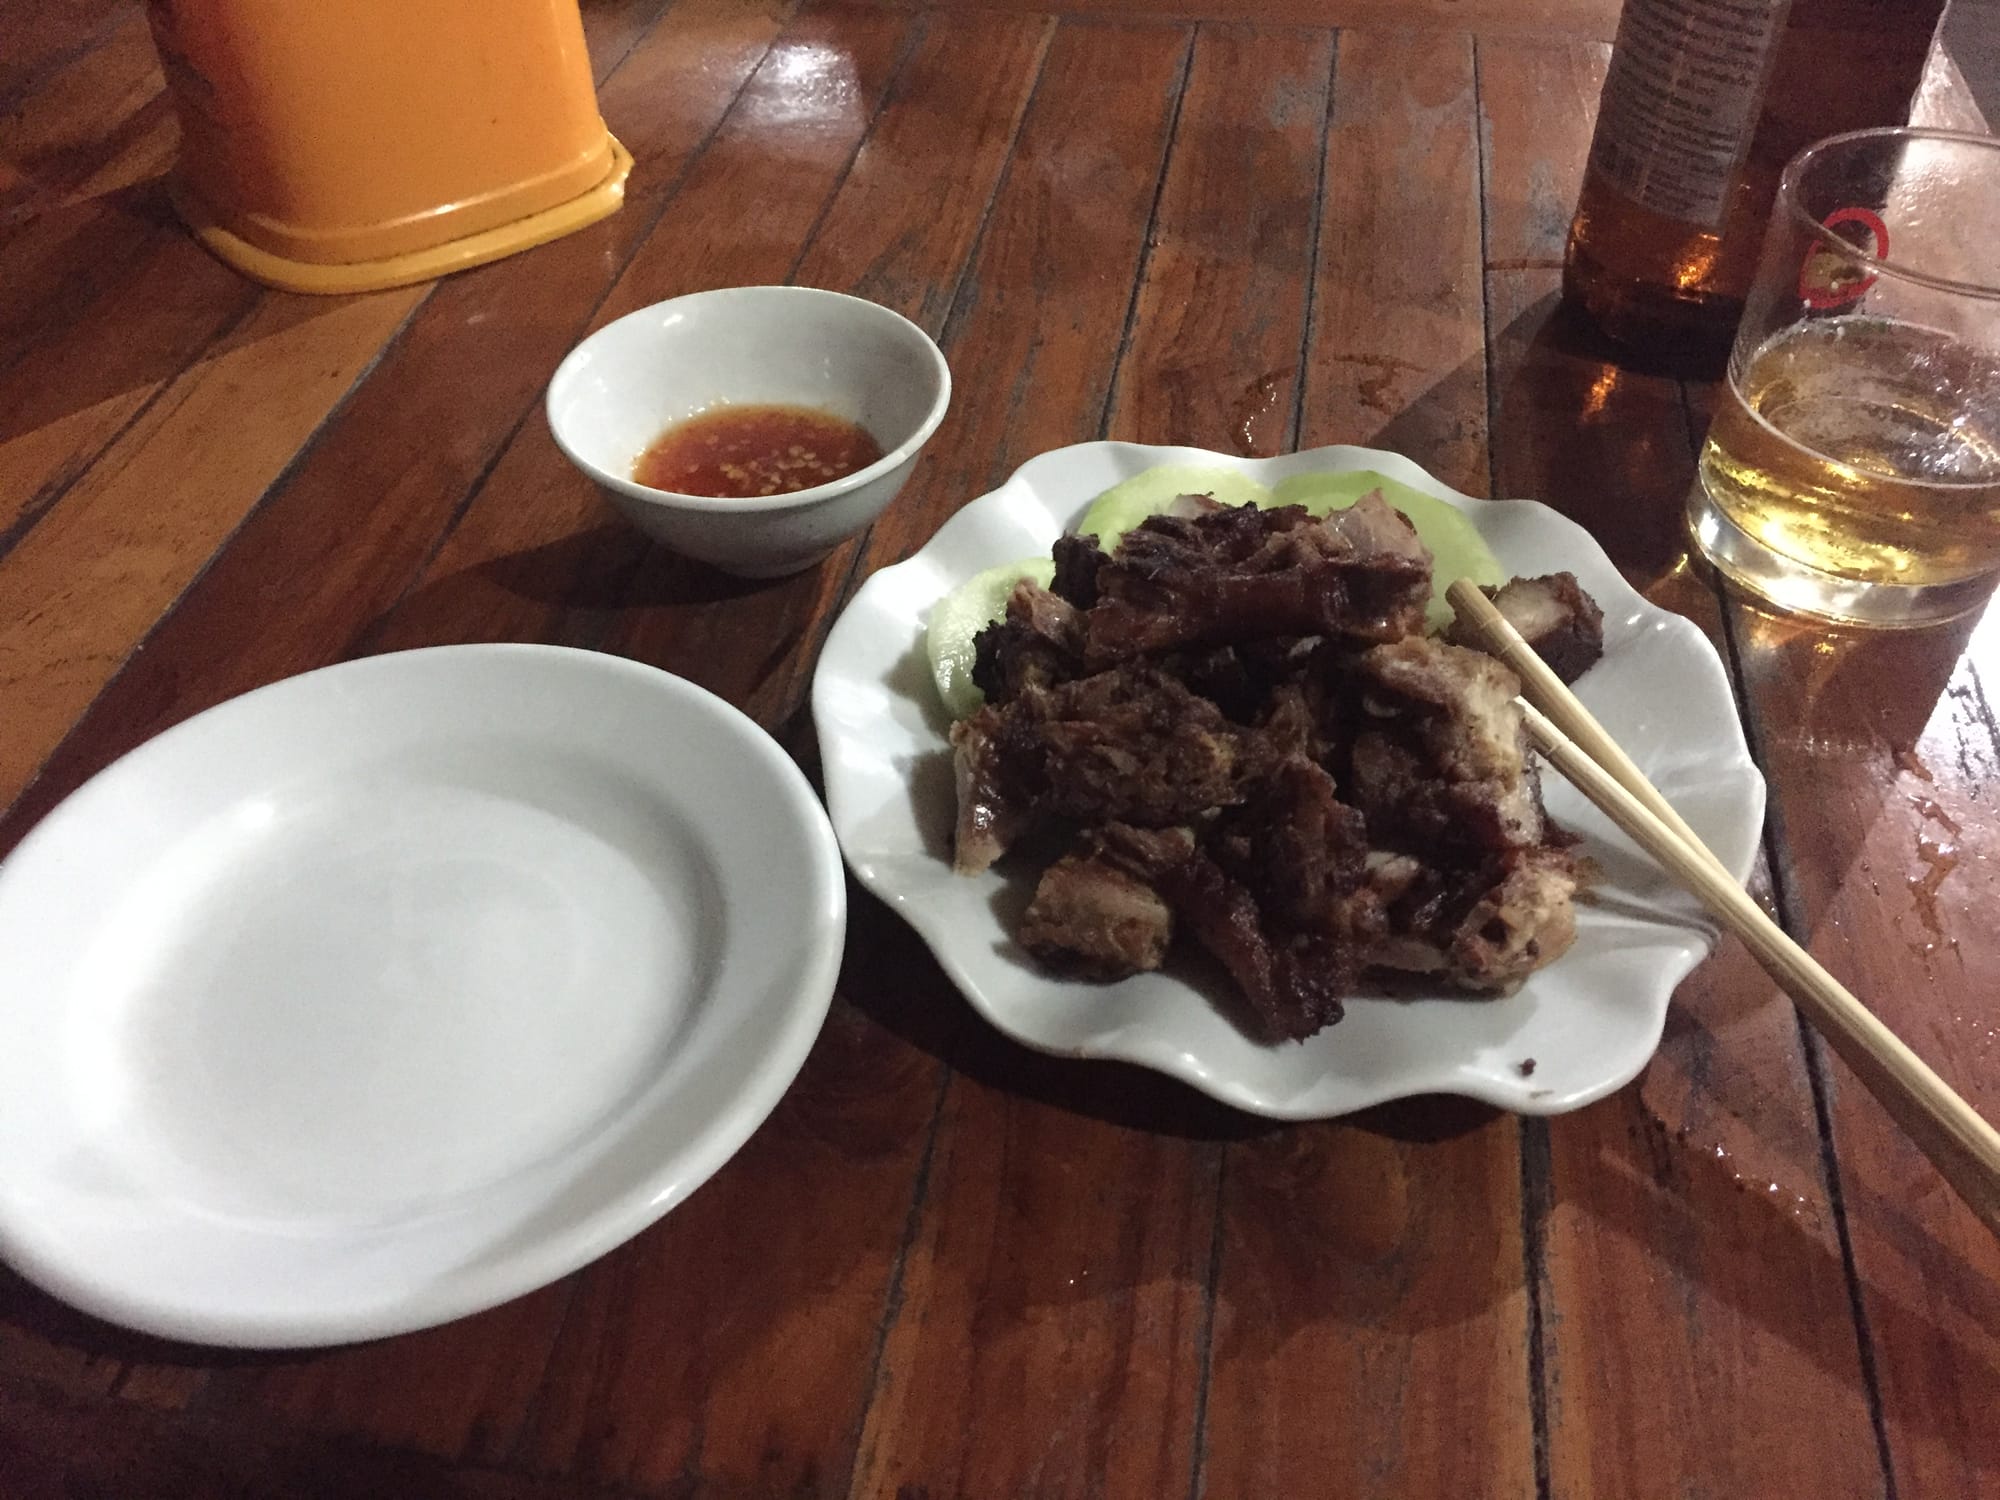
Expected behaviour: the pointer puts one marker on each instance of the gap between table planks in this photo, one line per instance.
(1687, 1216)
(117, 497)
(674, 98)
(112, 561)
(1641, 399)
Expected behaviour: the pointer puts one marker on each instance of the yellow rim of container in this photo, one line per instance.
(291, 275)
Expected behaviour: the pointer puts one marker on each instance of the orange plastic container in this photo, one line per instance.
(345, 145)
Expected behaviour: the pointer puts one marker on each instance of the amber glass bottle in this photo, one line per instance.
(1704, 103)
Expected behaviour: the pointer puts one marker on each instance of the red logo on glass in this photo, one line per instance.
(1828, 279)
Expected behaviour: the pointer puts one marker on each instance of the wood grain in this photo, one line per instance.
(1534, 93)
(65, 400)
(1218, 326)
(100, 302)
(1396, 354)
(356, 515)
(1363, 1262)
(57, 1448)
(1882, 751)
(43, 35)
(1690, 1291)
(1044, 1279)
(88, 580)
(1589, 18)
(103, 103)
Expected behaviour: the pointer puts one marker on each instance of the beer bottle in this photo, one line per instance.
(1703, 104)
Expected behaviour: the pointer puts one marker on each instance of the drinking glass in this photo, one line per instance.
(1852, 470)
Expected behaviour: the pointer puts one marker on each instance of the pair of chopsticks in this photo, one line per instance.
(1960, 1144)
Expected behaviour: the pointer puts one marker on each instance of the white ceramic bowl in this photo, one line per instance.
(625, 384)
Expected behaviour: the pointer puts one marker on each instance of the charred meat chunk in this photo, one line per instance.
(1245, 574)
(1555, 616)
(1096, 918)
(1293, 982)
(1130, 745)
(1486, 926)
(1447, 759)
(1037, 643)
(1294, 844)
(1077, 560)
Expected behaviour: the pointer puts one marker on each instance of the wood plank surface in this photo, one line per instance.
(104, 102)
(1586, 18)
(1395, 356)
(1212, 358)
(361, 508)
(1882, 751)
(1374, 1268)
(641, 1329)
(1084, 1313)
(946, 1266)
(1690, 1290)
(44, 34)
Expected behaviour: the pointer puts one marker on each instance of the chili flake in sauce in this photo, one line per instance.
(739, 451)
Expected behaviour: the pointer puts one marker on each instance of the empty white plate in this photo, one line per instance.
(1572, 1033)
(389, 992)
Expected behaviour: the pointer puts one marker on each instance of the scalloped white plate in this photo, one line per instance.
(1588, 1022)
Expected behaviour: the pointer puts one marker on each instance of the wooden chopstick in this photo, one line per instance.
(1960, 1144)
(1541, 687)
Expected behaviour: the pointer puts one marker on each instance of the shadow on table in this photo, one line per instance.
(891, 977)
(1593, 432)
(27, 1307)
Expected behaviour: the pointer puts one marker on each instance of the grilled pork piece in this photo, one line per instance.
(1097, 918)
(1293, 981)
(1239, 713)
(1038, 642)
(1131, 745)
(1245, 574)
(1486, 926)
(990, 817)
(1077, 560)
(1555, 616)
(1294, 844)
(1448, 762)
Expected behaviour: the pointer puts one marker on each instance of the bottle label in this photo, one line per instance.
(1680, 101)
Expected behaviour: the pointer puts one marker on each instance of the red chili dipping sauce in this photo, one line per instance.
(735, 452)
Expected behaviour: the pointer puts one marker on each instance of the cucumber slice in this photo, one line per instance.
(961, 615)
(1125, 505)
(1455, 543)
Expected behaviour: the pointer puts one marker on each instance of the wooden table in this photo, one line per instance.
(947, 1267)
